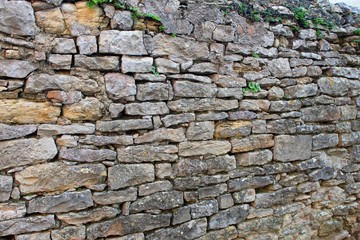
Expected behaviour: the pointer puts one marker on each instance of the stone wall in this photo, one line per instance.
(112, 130)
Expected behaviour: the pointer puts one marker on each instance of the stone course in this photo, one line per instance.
(113, 129)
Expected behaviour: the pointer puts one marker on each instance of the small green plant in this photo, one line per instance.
(357, 32)
(319, 33)
(153, 16)
(295, 28)
(255, 16)
(256, 55)
(357, 41)
(252, 87)
(93, 3)
(173, 35)
(300, 14)
(269, 15)
(162, 28)
(154, 71)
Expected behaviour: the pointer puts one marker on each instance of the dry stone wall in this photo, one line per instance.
(112, 130)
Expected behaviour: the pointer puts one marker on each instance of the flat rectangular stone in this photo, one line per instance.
(8, 132)
(204, 148)
(16, 68)
(192, 77)
(107, 140)
(124, 175)
(6, 183)
(97, 63)
(12, 210)
(171, 120)
(192, 89)
(218, 164)
(129, 224)
(34, 236)
(231, 216)
(321, 114)
(86, 155)
(239, 184)
(21, 152)
(65, 202)
(115, 197)
(26, 225)
(124, 125)
(153, 91)
(145, 153)
(324, 141)
(57, 176)
(252, 143)
(162, 134)
(292, 148)
(207, 104)
(158, 201)
(159, 186)
(69, 232)
(282, 196)
(76, 128)
(146, 108)
(12, 111)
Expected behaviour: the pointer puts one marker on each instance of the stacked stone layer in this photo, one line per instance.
(94, 144)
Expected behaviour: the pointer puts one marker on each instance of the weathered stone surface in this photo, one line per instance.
(26, 151)
(135, 236)
(233, 129)
(8, 132)
(129, 224)
(122, 42)
(64, 97)
(282, 196)
(266, 224)
(122, 175)
(254, 105)
(254, 158)
(115, 197)
(26, 225)
(162, 134)
(209, 104)
(200, 131)
(228, 82)
(301, 91)
(88, 109)
(164, 65)
(229, 217)
(97, 63)
(171, 120)
(59, 61)
(87, 45)
(34, 236)
(220, 164)
(203, 68)
(94, 215)
(158, 201)
(57, 176)
(333, 86)
(179, 48)
(324, 141)
(291, 148)
(122, 20)
(280, 68)
(223, 234)
(136, 64)
(146, 108)
(159, 186)
(53, 130)
(123, 125)
(70, 232)
(87, 155)
(223, 33)
(249, 182)
(17, 18)
(153, 91)
(119, 85)
(192, 89)
(252, 142)
(16, 68)
(212, 191)
(345, 72)
(12, 111)
(65, 202)
(12, 210)
(64, 45)
(204, 148)
(43, 82)
(138, 154)
(321, 114)
(51, 20)
(189, 230)
(6, 183)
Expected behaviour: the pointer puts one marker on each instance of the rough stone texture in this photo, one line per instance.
(121, 175)
(162, 134)
(280, 68)
(138, 154)
(192, 89)
(8, 132)
(291, 148)
(146, 108)
(53, 130)
(88, 109)
(158, 201)
(59, 177)
(136, 64)
(97, 63)
(119, 85)
(26, 151)
(252, 143)
(87, 155)
(65, 202)
(6, 183)
(333, 86)
(204, 148)
(210, 104)
(113, 197)
(16, 68)
(229, 217)
(123, 125)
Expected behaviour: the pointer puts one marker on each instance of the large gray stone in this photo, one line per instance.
(124, 175)
(122, 42)
(16, 68)
(158, 201)
(333, 86)
(17, 17)
(204, 148)
(280, 68)
(200, 131)
(119, 85)
(107, 140)
(218, 164)
(189, 230)
(97, 63)
(76, 128)
(57, 176)
(144, 153)
(254, 158)
(153, 91)
(292, 148)
(8, 132)
(70, 232)
(44, 82)
(6, 183)
(123, 125)
(87, 155)
(26, 225)
(192, 89)
(170, 120)
(301, 91)
(282, 196)
(128, 224)
(146, 108)
(65, 202)
(324, 141)
(208, 104)
(321, 114)
(229, 217)
(115, 197)
(136, 64)
(26, 151)
(162, 134)
(93, 215)
(239, 184)
(345, 72)
(285, 106)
